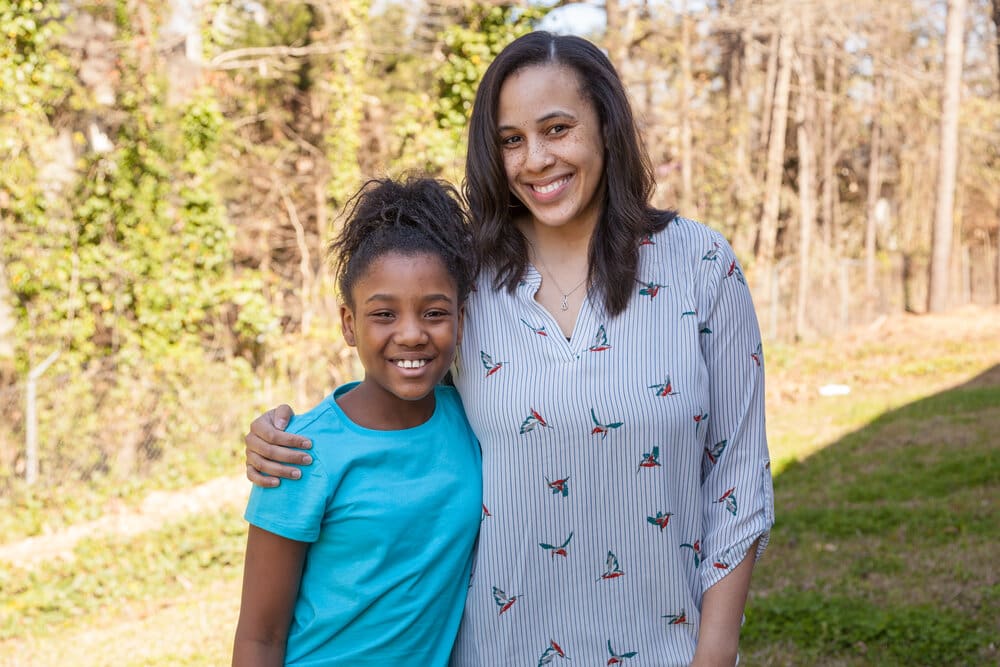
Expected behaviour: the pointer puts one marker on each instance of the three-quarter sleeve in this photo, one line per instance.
(736, 472)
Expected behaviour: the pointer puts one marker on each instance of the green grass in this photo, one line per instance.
(885, 545)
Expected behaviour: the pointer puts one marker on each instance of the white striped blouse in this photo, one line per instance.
(625, 469)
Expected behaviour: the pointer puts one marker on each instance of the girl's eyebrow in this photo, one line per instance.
(390, 297)
(558, 113)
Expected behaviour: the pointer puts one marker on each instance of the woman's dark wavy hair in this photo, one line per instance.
(412, 216)
(628, 176)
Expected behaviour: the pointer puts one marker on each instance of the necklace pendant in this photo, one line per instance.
(565, 302)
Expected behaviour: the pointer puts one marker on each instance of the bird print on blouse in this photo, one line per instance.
(491, 366)
(538, 330)
(552, 652)
(651, 289)
(532, 421)
(661, 520)
(713, 254)
(558, 486)
(600, 343)
(612, 570)
(728, 500)
(715, 451)
(557, 550)
(677, 619)
(695, 548)
(698, 419)
(736, 272)
(665, 388)
(601, 428)
(619, 658)
(504, 601)
(757, 355)
(650, 459)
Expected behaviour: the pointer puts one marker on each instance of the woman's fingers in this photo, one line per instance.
(267, 448)
(269, 429)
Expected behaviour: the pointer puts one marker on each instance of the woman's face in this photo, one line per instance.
(552, 146)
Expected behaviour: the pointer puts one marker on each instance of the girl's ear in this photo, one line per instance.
(461, 322)
(347, 324)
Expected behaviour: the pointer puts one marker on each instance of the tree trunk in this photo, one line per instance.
(805, 131)
(740, 126)
(874, 192)
(829, 159)
(775, 156)
(941, 233)
(687, 154)
(770, 77)
(996, 24)
(620, 21)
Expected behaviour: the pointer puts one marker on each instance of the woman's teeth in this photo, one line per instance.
(411, 363)
(551, 187)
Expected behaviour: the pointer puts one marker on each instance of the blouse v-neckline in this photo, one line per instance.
(533, 282)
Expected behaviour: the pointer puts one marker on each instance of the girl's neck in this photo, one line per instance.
(374, 408)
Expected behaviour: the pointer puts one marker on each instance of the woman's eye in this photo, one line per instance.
(510, 141)
(437, 313)
(558, 129)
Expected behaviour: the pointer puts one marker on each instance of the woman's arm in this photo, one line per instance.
(271, 577)
(267, 446)
(722, 614)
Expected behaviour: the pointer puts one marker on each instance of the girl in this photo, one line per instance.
(611, 367)
(366, 562)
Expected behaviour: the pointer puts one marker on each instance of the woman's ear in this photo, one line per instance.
(461, 324)
(347, 324)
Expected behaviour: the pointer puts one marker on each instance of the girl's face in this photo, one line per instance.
(552, 146)
(405, 323)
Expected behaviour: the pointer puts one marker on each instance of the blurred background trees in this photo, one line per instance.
(173, 170)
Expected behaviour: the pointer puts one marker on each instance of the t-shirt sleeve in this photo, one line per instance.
(294, 509)
(736, 470)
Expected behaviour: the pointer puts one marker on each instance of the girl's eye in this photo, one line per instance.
(437, 313)
(382, 315)
(510, 141)
(558, 129)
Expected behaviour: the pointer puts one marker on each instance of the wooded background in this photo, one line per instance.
(172, 172)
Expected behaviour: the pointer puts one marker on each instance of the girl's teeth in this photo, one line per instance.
(551, 187)
(411, 363)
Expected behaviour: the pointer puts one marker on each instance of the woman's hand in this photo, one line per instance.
(268, 446)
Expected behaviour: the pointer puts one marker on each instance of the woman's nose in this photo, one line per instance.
(539, 156)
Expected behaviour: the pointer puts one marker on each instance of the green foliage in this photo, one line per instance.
(109, 574)
(433, 134)
(130, 274)
(469, 49)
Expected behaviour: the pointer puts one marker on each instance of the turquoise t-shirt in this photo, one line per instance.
(392, 517)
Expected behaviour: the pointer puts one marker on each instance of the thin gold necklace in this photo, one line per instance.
(564, 303)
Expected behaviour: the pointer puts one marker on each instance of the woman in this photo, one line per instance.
(611, 369)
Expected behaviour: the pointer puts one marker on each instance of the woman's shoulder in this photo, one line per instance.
(684, 238)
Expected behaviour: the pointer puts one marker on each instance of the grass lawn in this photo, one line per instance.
(884, 551)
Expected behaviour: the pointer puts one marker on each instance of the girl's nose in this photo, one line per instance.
(411, 332)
